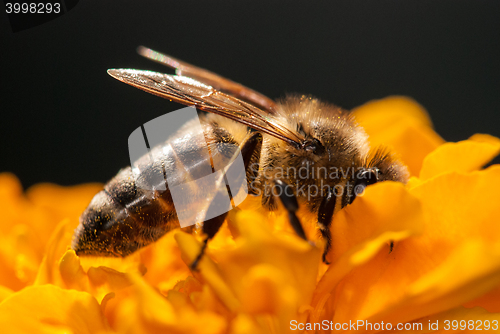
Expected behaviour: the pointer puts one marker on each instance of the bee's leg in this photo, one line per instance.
(250, 151)
(291, 205)
(391, 246)
(210, 228)
(325, 214)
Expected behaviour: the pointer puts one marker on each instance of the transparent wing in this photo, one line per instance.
(220, 83)
(204, 97)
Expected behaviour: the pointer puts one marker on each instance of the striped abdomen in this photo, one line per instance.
(136, 207)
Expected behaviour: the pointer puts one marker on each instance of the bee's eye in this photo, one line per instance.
(313, 145)
(364, 179)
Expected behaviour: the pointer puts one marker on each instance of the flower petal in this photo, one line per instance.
(28, 222)
(72, 272)
(475, 269)
(258, 245)
(361, 232)
(244, 324)
(63, 202)
(488, 301)
(190, 249)
(458, 207)
(55, 249)
(403, 125)
(49, 309)
(5, 292)
(392, 109)
(455, 260)
(12, 203)
(20, 246)
(147, 311)
(464, 156)
(485, 138)
(267, 291)
(162, 257)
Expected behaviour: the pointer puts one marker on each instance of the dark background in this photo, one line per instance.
(64, 120)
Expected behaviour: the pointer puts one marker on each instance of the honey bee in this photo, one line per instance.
(297, 151)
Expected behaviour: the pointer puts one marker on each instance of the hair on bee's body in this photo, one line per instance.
(130, 216)
(331, 138)
(290, 148)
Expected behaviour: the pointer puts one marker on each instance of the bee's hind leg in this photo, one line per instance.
(210, 228)
(291, 205)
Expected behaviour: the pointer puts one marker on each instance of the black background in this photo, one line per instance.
(64, 120)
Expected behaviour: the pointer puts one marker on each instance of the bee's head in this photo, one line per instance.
(386, 166)
(379, 166)
(330, 135)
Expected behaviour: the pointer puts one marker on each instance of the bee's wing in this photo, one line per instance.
(193, 93)
(220, 83)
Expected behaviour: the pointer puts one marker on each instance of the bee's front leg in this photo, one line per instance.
(325, 215)
(291, 205)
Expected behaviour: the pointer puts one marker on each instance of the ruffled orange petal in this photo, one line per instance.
(190, 249)
(361, 234)
(5, 292)
(27, 223)
(20, 247)
(455, 260)
(12, 202)
(464, 156)
(264, 292)
(489, 301)
(258, 245)
(163, 257)
(462, 206)
(62, 267)
(71, 271)
(244, 324)
(18, 260)
(147, 311)
(401, 124)
(56, 247)
(485, 138)
(264, 274)
(57, 202)
(49, 309)
(377, 114)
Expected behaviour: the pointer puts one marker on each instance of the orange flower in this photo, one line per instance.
(258, 276)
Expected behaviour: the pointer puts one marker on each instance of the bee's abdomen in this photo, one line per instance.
(149, 207)
(123, 218)
(136, 207)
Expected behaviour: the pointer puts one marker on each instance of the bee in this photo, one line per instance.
(299, 151)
